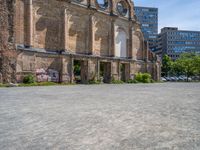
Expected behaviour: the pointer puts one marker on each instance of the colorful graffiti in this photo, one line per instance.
(49, 75)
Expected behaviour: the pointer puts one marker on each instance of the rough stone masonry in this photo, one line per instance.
(47, 38)
(7, 48)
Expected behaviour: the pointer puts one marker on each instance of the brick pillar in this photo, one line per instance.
(90, 37)
(66, 17)
(71, 70)
(130, 50)
(28, 24)
(65, 30)
(98, 69)
(112, 39)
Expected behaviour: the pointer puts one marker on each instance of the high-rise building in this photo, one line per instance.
(148, 18)
(173, 42)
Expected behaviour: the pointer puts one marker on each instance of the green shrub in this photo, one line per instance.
(146, 78)
(113, 81)
(138, 77)
(28, 79)
(130, 81)
(117, 82)
(143, 77)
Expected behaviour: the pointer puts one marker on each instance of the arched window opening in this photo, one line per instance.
(121, 43)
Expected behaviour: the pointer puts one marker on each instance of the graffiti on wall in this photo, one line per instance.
(49, 75)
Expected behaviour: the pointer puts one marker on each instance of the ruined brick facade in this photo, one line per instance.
(52, 34)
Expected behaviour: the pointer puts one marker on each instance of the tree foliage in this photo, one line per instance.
(188, 64)
(166, 65)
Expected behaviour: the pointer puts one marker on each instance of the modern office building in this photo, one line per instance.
(148, 18)
(173, 42)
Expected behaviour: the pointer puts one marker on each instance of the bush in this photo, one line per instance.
(28, 79)
(143, 78)
(138, 77)
(146, 78)
(113, 81)
(117, 82)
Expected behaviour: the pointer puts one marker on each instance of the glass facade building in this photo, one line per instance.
(173, 42)
(148, 18)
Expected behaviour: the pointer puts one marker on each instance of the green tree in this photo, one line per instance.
(177, 69)
(166, 65)
(197, 65)
(185, 64)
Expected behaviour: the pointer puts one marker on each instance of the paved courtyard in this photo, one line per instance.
(101, 117)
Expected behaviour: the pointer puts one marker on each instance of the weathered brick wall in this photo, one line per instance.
(19, 22)
(47, 21)
(101, 35)
(77, 28)
(7, 50)
(30, 62)
(138, 48)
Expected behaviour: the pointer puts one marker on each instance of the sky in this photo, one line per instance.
(184, 14)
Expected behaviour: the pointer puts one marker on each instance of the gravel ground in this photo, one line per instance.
(101, 117)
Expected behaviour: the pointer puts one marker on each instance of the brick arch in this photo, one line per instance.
(121, 44)
(138, 45)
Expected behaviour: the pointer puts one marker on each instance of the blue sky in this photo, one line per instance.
(184, 14)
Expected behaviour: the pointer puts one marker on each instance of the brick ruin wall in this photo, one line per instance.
(7, 49)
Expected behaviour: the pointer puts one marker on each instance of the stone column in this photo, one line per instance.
(64, 30)
(66, 17)
(112, 39)
(90, 37)
(98, 69)
(71, 69)
(28, 23)
(130, 54)
(119, 70)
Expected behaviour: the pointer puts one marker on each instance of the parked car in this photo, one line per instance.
(172, 79)
(181, 78)
(163, 79)
(167, 78)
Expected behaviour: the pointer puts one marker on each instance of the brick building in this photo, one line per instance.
(52, 37)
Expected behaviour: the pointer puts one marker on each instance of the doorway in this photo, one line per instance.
(80, 71)
(124, 72)
(105, 71)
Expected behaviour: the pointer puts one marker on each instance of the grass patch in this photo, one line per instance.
(2, 85)
(117, 82)
(43, 84)
(94, 82)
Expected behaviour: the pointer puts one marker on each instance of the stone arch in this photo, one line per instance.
(138, 45)
(121, 44)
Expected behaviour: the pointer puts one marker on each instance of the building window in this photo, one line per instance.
(122, 8)
(102, 3)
